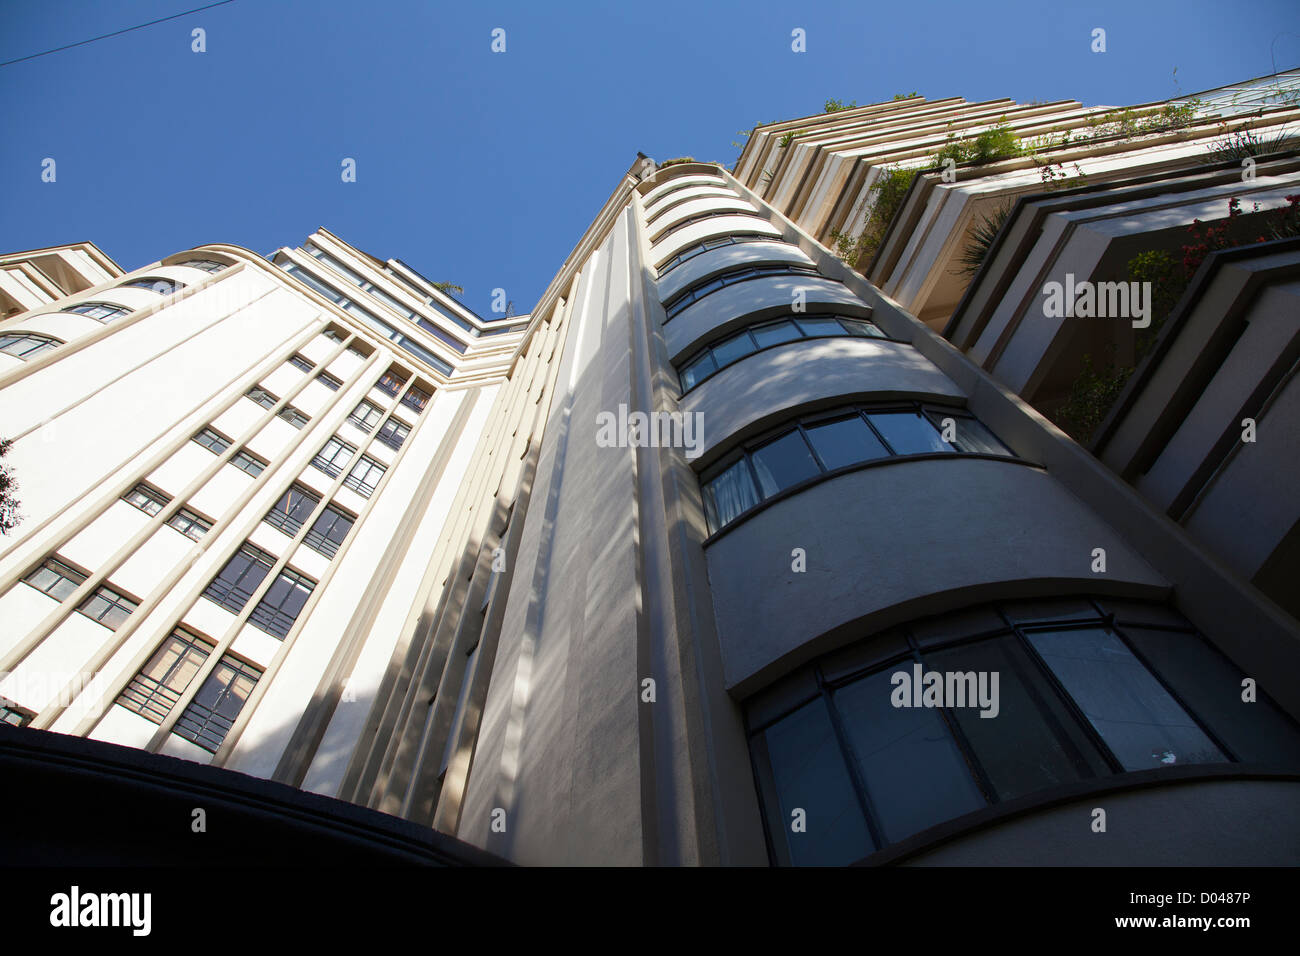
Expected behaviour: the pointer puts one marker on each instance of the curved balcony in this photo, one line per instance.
(724, 257)
(711, 228)
(664, 179)
(695, 207)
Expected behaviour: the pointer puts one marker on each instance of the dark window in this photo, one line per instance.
(212, 713)
(334, 457)
(294, 507)
(213, 441)
(25, 345)
(730, 494)
(300, 363)
(154, 691)
(262, 397)
(190, 524)
(13, 715)
(55, 578)
(782, 463)
(692, 294)
(148, 499)
(416, 398)
(282, 603)
(240, 577)
(365, 416)
(329, 381)
(329, 531)
(394, 433)
(248, 463)
(844, 441)
(109, 607)
(365, 476)
(908, 433)
(103, 311)
(154, 284)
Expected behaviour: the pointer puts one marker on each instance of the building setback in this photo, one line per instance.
(430, 585)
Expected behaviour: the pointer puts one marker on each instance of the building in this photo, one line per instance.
(660, 575)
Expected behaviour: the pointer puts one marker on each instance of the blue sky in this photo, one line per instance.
(484, 169)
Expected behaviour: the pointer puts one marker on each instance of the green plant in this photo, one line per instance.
(993, 144)
(1090, 399)
(983, 232)
(1168, 280)
(886, 196)
(1246, 143)
(906, 96)
(785, 140)
(676, 161)
(448, 288)
(834, 106)
(9, 504)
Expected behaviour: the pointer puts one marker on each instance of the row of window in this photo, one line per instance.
(1084, 690)
(720, 191)
(714, 214)
(303, 364)
(680, 186)
(365, 475)
(329, 530)
(752, 339)
(394, 431)
(161, 683)
(690, 252)
(151, 501)
(27, 345)
(217, 443)
(692, 294)
(104, 311)
(293, 416)
(244, 573)
(106, 605)
(833, 440)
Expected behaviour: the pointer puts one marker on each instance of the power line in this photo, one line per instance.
(115, 33)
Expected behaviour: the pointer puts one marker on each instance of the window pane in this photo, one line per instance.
(775, 334)
(862, 327)
(908, 433)
(726, 352)
(821, 325)
(845, 442)
(697, 370)
(968, 434)
(1143, 726)
(1031, 742)
(783, 463)
(807, 772)
(914, 773)
(729, 494)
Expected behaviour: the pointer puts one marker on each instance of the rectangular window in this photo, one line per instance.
(968, 434)
(774, 333)
(293, 508)
(783, 463)
(108, 607)
(262, 397)
(154, 691)
(329, 381)
(365, 476)
(148, 499)
(908, 433)
(729, 494)
(293, 416)
(334, 457)
(241, 576)
(390, 384)
(329, 531)
(13, 715)
(282, 603)
(416, 399)
(298, 362)
(694, 373)
(736, 347)
(212, 713)
(248, 463)
(394, 433)
(845, 442)
(213, 441)
(365, 416)
(333, 334)
(55, 578)
(190, 524)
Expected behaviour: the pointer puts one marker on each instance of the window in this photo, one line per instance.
(103, 311)
(213, 441)
(683, 300)
(189, 524)
(329, 531)
(212, 713)
(55, 578)
(701, 247)
(416, 399)
(108, 607)
(747, 341)
(207, 265)
(827, 442)
(294, 507)
(1078, 700)
(25, 345)
(248, 463)
(154, 691)
(329, 381)
(293, 416)
(262, 397)
(365, 476)
(333, 334)
(240, 577)
(147, 498)
(677, 227)
(334, 457)
(300, 363)
(154, 284)
(13, 715)
(393, 433)
(390, 383)
(365, 416)
(282, 603)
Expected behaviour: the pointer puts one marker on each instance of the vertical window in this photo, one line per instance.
(25, 345)
(154, 691)
(212, 713)
(282, 603)
(55, 578)
(365, 476)
(147, 498)
(248, 463)
(729, 494)
(329, 531)
(394, 433)
(293, 508)
(365, 416)
(334, 457)
(416, 399)
(241, 576)
(109, 607)
(188, 523)
(212, 440)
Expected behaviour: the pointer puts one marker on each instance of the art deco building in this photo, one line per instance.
(313, 522)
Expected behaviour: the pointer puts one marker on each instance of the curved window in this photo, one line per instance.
(98, 310)
(154, 284)
(26, 345)
(207, 265)
(824, 443)
(692, 220)
(709, 244)
(747, 341)
(720, 191)
(715, 184)
(894, 734)
(689, 296)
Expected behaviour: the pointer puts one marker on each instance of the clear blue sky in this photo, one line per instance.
(484, 169)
